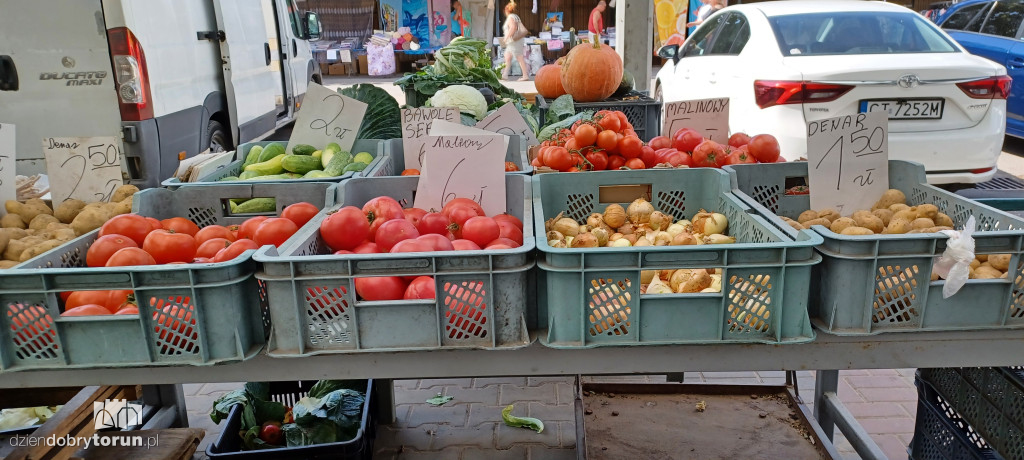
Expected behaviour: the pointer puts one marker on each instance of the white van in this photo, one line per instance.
(170, 78)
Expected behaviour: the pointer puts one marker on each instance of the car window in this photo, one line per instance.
(700, 42)
(1004, 20)
(732, 36)
(968, 18)
(816, 34)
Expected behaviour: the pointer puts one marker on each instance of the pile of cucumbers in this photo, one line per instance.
(271, 162)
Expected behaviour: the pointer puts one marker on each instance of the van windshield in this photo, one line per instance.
(844, 32)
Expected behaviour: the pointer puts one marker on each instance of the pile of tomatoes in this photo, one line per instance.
(687, 147)
(383, 226)
(607, 141)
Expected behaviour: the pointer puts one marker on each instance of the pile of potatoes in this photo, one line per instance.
(889, 215)
(32, 227)
(986, 267)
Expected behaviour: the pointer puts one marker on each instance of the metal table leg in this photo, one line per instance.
(825, 382)
(830, 412)
(385, 391)
(170, 401)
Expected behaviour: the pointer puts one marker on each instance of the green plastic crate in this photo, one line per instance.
(395, 163)
(482, 296)
(223, 298)
(591, 297)
(880, 283)
(377, 147)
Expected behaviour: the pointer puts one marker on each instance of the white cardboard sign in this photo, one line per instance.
(86, 168)
(710, 117)
(416, 124)
(326, 116)
(508, 121)
(8, 187)
(848, 161)
(465, 165)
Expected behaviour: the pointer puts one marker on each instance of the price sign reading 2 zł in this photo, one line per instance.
(86, 168)
(326, 116)
(848, 161)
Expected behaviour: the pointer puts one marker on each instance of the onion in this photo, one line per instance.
(662, 239)
(566, 226)
(716, 238)
(675, 229)
(666, 274)
(601, 235)
(716, 283)
(619, 243)
(642, 241)
(660, 220)
(627, 228)
(631, 238)
(685, 223)
(684, 239)
(584, 240)
(615, 236)
(595, 220)
(550, 223)
(647, 275)
(639, 211)
(657, 286)
(710, 223)
(614, 215)
(553, 235)
(689, 280)
(556, 243)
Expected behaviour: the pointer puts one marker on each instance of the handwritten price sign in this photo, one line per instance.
(326, 117)
(464, 166)
(508, 121)
(8, 189)
(416, 124)
(848, 161)
(86, 168)
(709, 117)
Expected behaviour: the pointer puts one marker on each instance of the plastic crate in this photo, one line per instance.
(1013, 206)
(223, 298)
(228, 443)
(880, 283)
(591, 297)
(1003, 185)
(377, 147)
(644, 113)
(482, 296)
(989, 399)
(415, 98)
(394, 164)
(940, 433)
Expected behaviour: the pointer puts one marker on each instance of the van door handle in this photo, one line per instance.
(1016, 63)
(295, 48)
(8, 74)
(266, 52)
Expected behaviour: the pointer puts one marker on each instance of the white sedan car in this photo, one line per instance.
(785, 63)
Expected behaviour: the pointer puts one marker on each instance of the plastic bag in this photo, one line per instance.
(955, 263)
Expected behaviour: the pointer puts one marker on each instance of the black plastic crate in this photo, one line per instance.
(643, 113)
(940, 433)
(1002, 185)
(228, 444)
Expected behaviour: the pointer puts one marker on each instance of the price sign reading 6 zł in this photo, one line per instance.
(86, 168)
(848, 161)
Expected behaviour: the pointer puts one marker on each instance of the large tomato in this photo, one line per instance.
(379, 210)
(300, 213)
(211, 247)
(79, 298)
(133, 226)
(481, 230)
(180, 225)
(586, 135)
(635, 163)
(275, 231)
(739, 139)
(607, 140)
(558, 158)
(616, 162)
(132, 256)
(104, 247)
(380, 288)
(609, 121)
(459, 215)
(686, 139)
(435, 242)
(214, 231)
(505, 242)
(507, 229)
(413, 245)
(248, 228)
(154, 224)
(422, 287)
(509, 218)
(677, 158)
(117, 299)
(764, 147)
(630, 147)
(465, 245)
(433, 222)
(345, 229)
(393, 231)
(128, 309)
(649, 156)
(87, 310)
(168, 246)
(368, 247)
(598, 160)
(234, 250)
(413, 215)
(660, 142)
(739, 157)
(708, 154)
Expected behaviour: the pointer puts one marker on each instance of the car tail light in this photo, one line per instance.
(770, 92)
(987, 88)
(982, 170)
(131, 76)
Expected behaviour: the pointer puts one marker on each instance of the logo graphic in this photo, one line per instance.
(116, 413)
(908, 81)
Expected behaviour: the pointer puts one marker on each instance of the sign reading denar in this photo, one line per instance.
(326, 116)
(848, 161)
(8, 188)
(85, 168)
(463, 162)
(416, 123)
(710, 117)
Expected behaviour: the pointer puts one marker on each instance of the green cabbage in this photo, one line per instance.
(466, 98)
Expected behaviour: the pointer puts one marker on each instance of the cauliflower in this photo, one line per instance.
(466, 98)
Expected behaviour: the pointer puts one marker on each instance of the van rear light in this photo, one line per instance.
(772, 92)
(131, 78)
(987, 88)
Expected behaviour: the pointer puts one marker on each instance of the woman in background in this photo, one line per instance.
(515, 48)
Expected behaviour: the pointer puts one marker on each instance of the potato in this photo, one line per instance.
(927, 210)
(818, 221)
(942, 220)
(884, 214)
(89, 219)
(937, 229)
(935, 276)
(796, 225)
(922, 223)
(869, 221)
(999, 262)
(56, 226)
(4, 239)
(39, 249)
(981, 257)
(897, 225)
(64, 234)
(122, 192)
(889, 198)
(830, 214)
(985, 272)
(41, 221)
(123, 207)
(908, 214)
(12, 206)
(898, 207)
(970, 273)
(807, 215)
(67, 210)
(975, 263)
(7, 264)
(841, 223)
(14, 233)
(856, 231)
(16, 247)
(33, 208)
(12, 221)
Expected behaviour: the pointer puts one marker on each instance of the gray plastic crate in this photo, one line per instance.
(880, 283)
(482, 296)
(591, 297)
(223, 298)
(940, 433)
(377, 147)
(394, 164)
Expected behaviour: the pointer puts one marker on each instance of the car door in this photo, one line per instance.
(293, 36)
(692, 75)
(1015, 101)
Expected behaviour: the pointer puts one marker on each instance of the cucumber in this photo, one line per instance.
(354, 167)
(270, 151)
(300, 163)
(333, 146)
(265, 168)
(227, 178)
(317, 154)
(303, 149)
(316, 174)
(246, 175)
(256, 205)
(253, 156)
(337, 163)
(363, 157)
(277, 176)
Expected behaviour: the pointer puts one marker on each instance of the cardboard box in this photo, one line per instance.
(325, 68)
(364, 65)
(339, 68)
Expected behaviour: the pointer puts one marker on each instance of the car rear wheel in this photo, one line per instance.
(219, 139)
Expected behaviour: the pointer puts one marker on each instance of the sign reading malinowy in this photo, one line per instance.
(710, 117)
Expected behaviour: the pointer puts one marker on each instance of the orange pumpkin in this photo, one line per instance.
(591, 71)
(549, 81)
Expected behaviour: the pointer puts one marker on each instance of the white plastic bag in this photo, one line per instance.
(955, 263)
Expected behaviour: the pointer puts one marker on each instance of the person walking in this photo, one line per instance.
(705, 10)
(596, 23)
(514, 46)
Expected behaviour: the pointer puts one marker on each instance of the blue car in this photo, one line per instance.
(992, 29)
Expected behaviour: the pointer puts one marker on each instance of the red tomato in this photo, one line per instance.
(780, 159)
(168, 246)
(435, 242)
(558, 158)
(125, 257)
(128, 310)
(412, 245)
(214, 231)
(570, 144)
(393, 231)
(509, 230)
(275, 231)
(342, 252)
(631, 147)
(345, 229)
(234, 250)
(211, 247)
(202, 260)
(677, 158)
(480, 230)
(118, 299)
(660, 142)
(180, 225)
(413, 215)
(379, 210)
(740, 156)
(598, 160)
(79, 298)
(248, 228)
(586, 135)
(615, 162)
(623, 120)
(635, 163)
(511, 166)
(421, 287)
(154, 224)
(300, 213)
(649, 156)
(465, 245)
(380, 288)
(708, 154)
(510, 218)
(764, 147)
(459, 216)
(410, 172)
(456, 202)
(739, 139)
(504, 241)
(104, 247)
(497, 246)
(686, 139)
(433, 222)
(609, 122)
(133, 226)
(366, 248)
(87, 310)
(607, 140)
